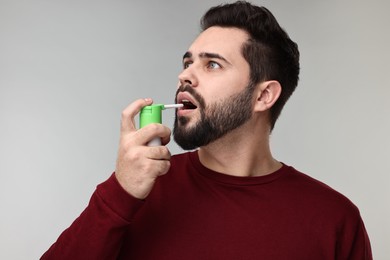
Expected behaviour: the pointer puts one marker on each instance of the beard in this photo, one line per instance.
(216, 119)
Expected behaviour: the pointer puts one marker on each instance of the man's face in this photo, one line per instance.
(214, 88)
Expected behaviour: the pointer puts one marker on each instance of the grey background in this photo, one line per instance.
(68, 68)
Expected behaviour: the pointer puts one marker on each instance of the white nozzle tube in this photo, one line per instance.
(173, 106)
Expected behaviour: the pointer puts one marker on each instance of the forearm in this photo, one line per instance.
(99, 231)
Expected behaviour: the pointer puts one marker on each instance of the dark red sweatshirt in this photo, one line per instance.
(195, 213)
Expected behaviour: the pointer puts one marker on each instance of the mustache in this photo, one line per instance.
(188, 88)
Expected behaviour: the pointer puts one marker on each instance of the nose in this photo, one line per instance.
(188, 76)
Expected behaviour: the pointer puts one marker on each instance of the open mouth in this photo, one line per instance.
(188, 104)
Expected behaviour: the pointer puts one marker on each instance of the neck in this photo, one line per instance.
(242, 152)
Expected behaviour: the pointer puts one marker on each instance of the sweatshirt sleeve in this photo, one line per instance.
(361, 248)
(354, 243)
(99, 231)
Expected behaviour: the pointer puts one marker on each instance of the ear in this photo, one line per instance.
(267, 93)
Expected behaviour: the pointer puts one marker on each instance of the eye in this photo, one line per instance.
(213, 65)
(186, 64)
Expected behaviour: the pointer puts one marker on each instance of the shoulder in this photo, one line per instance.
(332, 212)
(320, 195)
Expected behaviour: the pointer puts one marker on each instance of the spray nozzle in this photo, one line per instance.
(152, 114)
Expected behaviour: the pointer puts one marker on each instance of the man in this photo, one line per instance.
(229, 199)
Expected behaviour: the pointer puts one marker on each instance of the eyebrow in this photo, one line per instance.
(206, 55)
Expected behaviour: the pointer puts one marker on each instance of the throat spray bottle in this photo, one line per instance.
(153, 114)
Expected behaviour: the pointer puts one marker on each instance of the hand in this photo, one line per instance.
(139, 165)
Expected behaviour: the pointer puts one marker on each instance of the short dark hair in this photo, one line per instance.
(270, 52)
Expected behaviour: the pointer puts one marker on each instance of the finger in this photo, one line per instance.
(128, 114)
(158, 153)
(151, 131)
(162, 167)
(166, 139)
